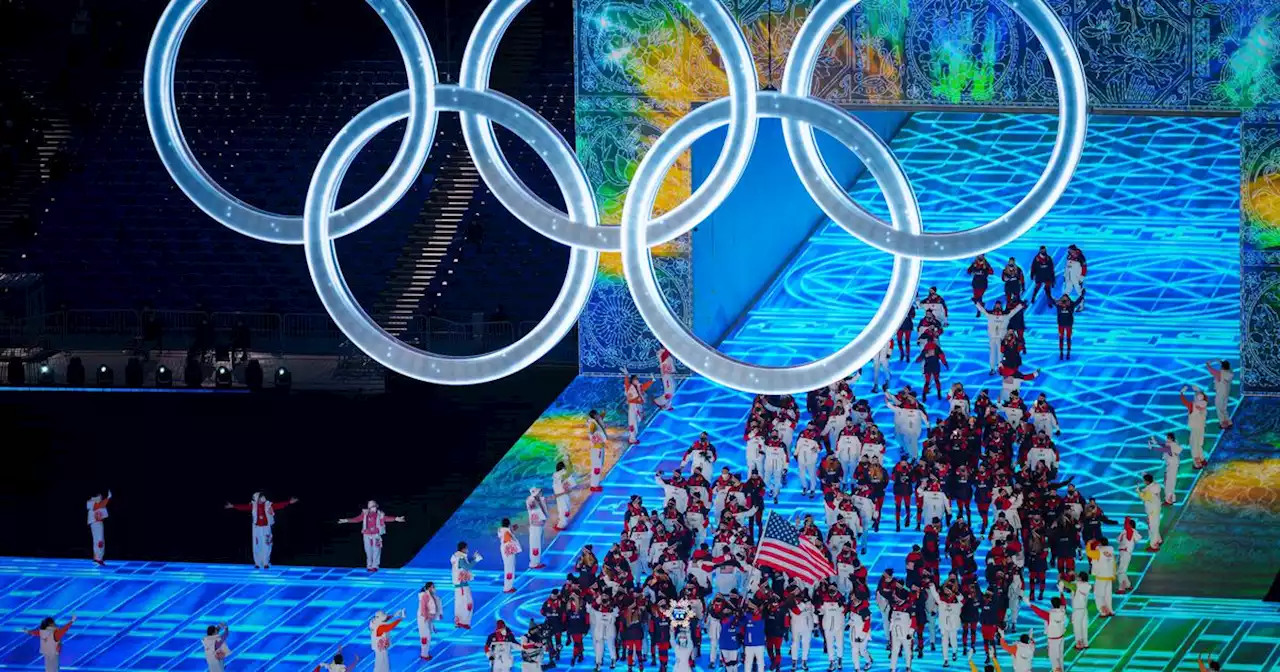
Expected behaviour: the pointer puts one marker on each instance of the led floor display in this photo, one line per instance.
(1154, 207)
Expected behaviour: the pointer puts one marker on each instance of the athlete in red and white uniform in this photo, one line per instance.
(980, 270)
(263, 512)
(373, 524)
(1077, 268)
(634, 391)
(1067, 309)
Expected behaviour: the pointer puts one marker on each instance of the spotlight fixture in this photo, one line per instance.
(46, 375)
(164, 376)
(222, 378)
(106, 377)
(284, 379)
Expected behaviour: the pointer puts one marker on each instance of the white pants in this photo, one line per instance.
(993, 343)
(603, 641)
(900, 639)
(634, 413)
(773, 467)
(1153, 525)
(1170, 480)
(1220, 399)
(1122, 572)
(462, 606)
(261, 545)
(668, 390)
(51, 663)
(1102, 594)
(858, 642)
(1197, 440)
(99, 541)
(833, 633)
(424, 636)
(215, 665)
(535, 545)
(801, 640)
(562, 508)
(730, 660)
(910, 443)
(597, 465)
(1073, 278)
(713, 634)
(373, 550)
(508, 572)
(1080, 625)
(876, 367)
(1055, 654)
(755, 656)
(501, 663)
(808, 475)
(949, 626)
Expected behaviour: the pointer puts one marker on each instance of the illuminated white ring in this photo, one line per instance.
(364, 332)
(836, 203)
(637, 265)
(235, 214)
(477, 61)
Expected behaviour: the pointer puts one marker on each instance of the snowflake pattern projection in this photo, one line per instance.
(631, 48)
(1260, 185)
(1260, 306)
(879, 43)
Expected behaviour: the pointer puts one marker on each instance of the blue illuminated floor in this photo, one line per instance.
(1154, 207)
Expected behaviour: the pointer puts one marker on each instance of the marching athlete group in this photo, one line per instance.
(961, 587)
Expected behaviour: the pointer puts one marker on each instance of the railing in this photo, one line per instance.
(290, 332)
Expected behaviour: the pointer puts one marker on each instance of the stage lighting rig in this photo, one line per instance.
(284, 379)
(222, 378)
(106, 377)
(164, 376)
(46, 375)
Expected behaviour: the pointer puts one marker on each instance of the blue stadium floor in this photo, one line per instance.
(1155, 208)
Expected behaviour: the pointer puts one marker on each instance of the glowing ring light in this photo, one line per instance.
(364, 332)
(836, 203)
(477, 61)
(235, 214)
(688, 348)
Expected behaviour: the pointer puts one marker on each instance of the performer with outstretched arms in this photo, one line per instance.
(380, 639)
(997, 326)
(373, 525)
(97, 512)
(51, 635)
(263, 513)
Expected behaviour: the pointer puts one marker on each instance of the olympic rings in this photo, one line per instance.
(477, 61)
(579, 228)
(235, 214)
(364, 332)
(688, 348)
(836, 203)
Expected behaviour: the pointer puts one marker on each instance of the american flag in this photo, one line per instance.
(782, 548)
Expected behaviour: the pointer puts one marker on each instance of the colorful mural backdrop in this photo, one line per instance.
(643, 63)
